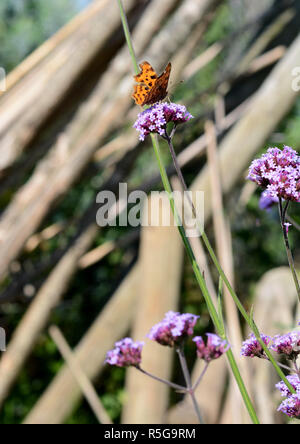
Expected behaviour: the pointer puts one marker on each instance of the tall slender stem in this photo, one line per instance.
(128, 36)
(188, 381)
(282, 214)
(199, 380)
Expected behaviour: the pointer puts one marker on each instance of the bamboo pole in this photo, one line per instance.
(160, 259)
(224, 251)
(81, 378)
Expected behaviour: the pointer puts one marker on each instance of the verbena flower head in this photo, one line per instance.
(294, 380)
(278, 171)
(126, 353)
(214, 348)
(173, 329)
(266, 202)
(252, 348)
(156, 118)
(291, 406)
(288, 344)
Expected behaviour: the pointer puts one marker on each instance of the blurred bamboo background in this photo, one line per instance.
(66, 134)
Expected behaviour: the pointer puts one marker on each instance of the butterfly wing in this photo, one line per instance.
(140, 93)
(160, 89)
(147, 75)
(150, 88)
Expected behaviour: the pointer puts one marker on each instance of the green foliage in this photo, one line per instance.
(24, 25)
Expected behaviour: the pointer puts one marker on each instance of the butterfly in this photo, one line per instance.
(150, 88)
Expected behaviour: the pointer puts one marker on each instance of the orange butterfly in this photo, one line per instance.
(150, 88)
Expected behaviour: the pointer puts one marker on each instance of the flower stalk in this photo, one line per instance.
(283, 222)
(188, 382)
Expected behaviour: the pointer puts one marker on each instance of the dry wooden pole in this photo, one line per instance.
(37, 315)
(224, 251)
(59, 400)
(81, 378)
(198, 249)
(212, 386)
(147, 400)
(265, 39)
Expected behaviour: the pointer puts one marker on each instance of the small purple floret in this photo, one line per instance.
(252, 348)
(174, 328)
(291, 406)
(294, 380)
(126, 353)
(278, 171)
(288, 344)
(156, 118)
(214, 348)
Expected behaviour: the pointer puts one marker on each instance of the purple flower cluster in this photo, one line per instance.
(126, 353)
(294, 380)
(288, 344)
(291, 406)
(174, 328)
(252, 348)
(214, 348)
(278, 171)
(156, 118)
(171, 331)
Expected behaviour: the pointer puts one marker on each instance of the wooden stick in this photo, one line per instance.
(267, 59)
(264, 39)
(224, 250)
(160, 260)
(83, 381)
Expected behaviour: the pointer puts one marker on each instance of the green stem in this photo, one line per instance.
(128, 36)
(283, 213)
